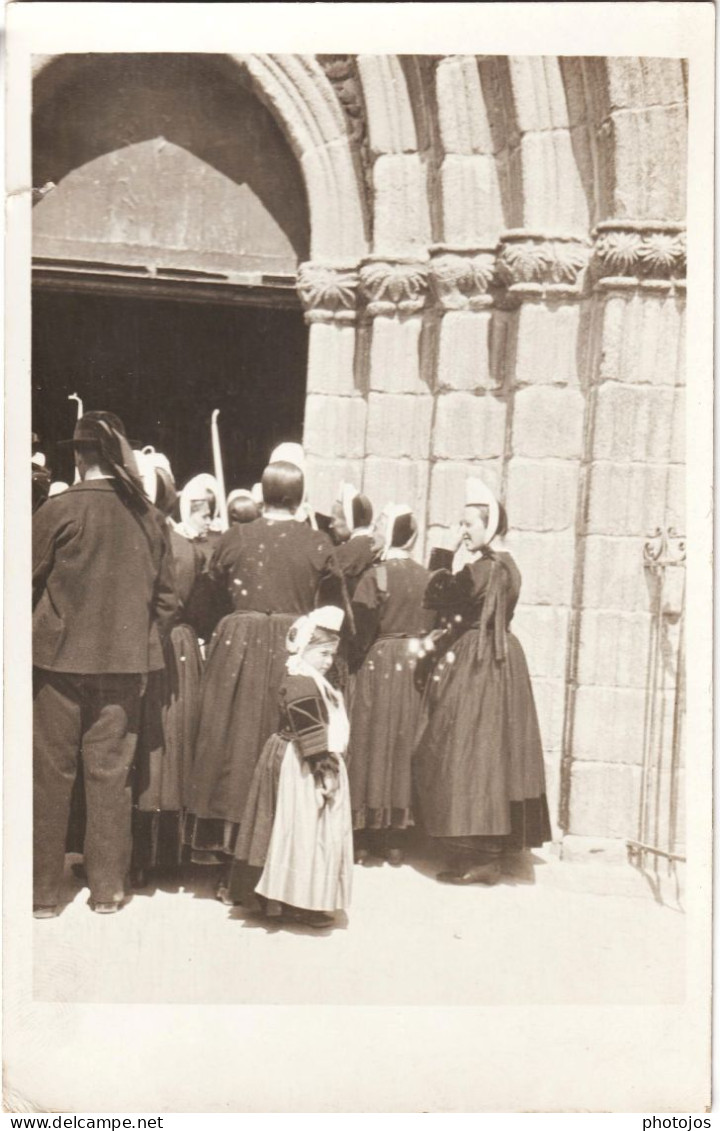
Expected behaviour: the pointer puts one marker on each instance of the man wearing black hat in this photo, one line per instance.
(103, 598)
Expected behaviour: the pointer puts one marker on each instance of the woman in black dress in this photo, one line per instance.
(272, 570)
(357, 548)
(170, 706)
(478, 762)
(390, 621)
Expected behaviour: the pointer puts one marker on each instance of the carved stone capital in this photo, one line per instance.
(394, 286)
(664, 548)
(636, 252)
(531, 263)
(328, 294)
(460, 278)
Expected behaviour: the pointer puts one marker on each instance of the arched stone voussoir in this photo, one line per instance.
(391, 125)
(298, 92)
(300, 96)
(462, 114)
(552, 179)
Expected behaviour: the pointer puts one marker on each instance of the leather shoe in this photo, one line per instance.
(40, 912)
(104, 908)
(481, 874)
(315, 919)
(222, 895)
(361, 855)
(395, 856)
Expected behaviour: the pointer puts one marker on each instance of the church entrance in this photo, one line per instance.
(163, 366)
(169, 222)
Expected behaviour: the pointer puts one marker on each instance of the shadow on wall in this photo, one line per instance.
(90, 107)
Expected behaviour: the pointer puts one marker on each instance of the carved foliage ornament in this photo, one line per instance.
(329, 294)
(637, 251)
(526, 260)
(394, 287)
(460, 280)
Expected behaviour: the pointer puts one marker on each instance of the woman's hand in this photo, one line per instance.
(327, 784)
(428, 642)
(455, 537)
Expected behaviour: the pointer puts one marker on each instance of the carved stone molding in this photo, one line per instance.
(524, 265)
(628, 253)
(343, 73)
(328, 294)
(460, 278)
(532, 264)
(394, 286)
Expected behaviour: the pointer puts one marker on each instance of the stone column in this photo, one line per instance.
(633, 483)
(335, 406)
(393, 287)
(469, 332)
(399, 410)
(470, 408)
(544, 383)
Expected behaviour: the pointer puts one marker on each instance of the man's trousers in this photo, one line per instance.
(94, 717)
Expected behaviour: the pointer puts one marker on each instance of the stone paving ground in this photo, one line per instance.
(552, 933)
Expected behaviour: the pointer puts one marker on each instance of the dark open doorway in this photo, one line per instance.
(167, 231)
(163, 366)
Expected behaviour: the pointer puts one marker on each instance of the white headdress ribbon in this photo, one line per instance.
(348, 494)
(289, 453)
(240, 493)
(148, 462)
(301, 631)
(194, 491)
(478, 494)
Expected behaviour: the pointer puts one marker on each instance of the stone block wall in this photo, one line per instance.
(519, 316)
(635, 483)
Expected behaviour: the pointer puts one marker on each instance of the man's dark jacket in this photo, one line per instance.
(103, 584)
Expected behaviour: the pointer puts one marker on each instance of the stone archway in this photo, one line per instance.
(215, 270)
(495, 285)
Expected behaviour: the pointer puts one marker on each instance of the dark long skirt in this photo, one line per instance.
(478, 762)
(239, 712)
(386, 710)
(168, 731)
(253, 839)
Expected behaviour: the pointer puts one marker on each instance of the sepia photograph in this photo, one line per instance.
(357, 661)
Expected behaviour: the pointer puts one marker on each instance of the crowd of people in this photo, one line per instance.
(282, 694)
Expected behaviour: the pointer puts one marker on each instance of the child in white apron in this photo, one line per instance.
(296, 830)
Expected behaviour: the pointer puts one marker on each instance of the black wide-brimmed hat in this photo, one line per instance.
(87, 430)
(105, 432)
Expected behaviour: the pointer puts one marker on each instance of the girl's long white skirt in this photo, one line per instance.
(309, 863)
